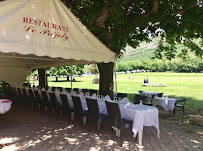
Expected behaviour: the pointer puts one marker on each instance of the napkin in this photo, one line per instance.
(70, 101)
(94, 96)
(124, 100)
(130, 105)
(107, 98)
(81, 95)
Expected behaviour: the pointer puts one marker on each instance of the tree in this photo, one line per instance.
(120, 22)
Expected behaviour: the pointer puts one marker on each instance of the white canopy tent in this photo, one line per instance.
(44, 33)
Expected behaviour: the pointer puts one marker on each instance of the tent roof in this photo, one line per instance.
(39, 34)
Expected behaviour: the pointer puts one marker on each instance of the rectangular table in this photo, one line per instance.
(149, 94)
(141, 115)
(166, 103)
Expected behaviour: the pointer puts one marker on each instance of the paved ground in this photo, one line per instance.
(24, 129)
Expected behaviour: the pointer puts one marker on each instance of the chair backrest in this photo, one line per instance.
(31, 94)
(53, 89)
(122, 95)
(46, 88)
(93, 110)
(44, 96)
(64, 101)
(76, 89)
(19, 92)
(53, 98)
(85, 90)
(140, 91)
(77, 106)
(68, 90)
(160, 94)
(37, 96)
(114, 114)
(60, 89)
(139, 97)
(93, 91)
(24, 93)
(183, 100)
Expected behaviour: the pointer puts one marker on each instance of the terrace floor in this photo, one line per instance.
(24, 129)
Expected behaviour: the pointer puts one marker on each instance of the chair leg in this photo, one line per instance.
(183, 110)
(174, 111)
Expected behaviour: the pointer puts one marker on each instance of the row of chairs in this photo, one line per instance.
(93, 115)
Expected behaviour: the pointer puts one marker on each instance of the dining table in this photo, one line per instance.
(149, 94)
(165, 102)
(140, 115)
(5, 105)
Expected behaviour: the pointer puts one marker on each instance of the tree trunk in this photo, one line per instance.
(106, 79)
(56, 79)
(42, 77)
(67, 78)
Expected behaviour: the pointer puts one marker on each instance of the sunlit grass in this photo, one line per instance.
(179, 85)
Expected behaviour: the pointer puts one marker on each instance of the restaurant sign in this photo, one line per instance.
(52, 30)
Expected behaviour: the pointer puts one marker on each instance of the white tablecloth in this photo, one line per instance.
(166, 103)
(4, 107)
(149, 94)
(141, 115)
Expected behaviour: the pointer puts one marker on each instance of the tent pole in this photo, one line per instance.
(115, 77)
(71, 77)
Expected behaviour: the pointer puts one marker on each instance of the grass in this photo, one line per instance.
(179, 85)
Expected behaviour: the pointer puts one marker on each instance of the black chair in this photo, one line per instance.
(60, 89)
(160, 94)
(25, 96)
(85, 90)
(31, 98)
(46, 101)
(54, 104)
(66, 107)
(94, 117)
(76, 89)
(38, 100)
(140, 92)
(183, 101)
(19, 95)
(91, 91)
(53, 89)
(68, 90)
(122, 95)
(146, 100)
(114, 117)
(78, 111)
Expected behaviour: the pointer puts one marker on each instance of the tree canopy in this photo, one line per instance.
(120, 22)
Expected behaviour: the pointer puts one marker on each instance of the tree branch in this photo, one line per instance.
(155, 8)
(182, 11)
(100, 22)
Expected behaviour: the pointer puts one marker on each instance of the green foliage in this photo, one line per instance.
(62, 71)
(92, 69)
(132, 22)
(190, 64)
(179, 85)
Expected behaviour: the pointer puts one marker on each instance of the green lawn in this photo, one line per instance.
(179, 85)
